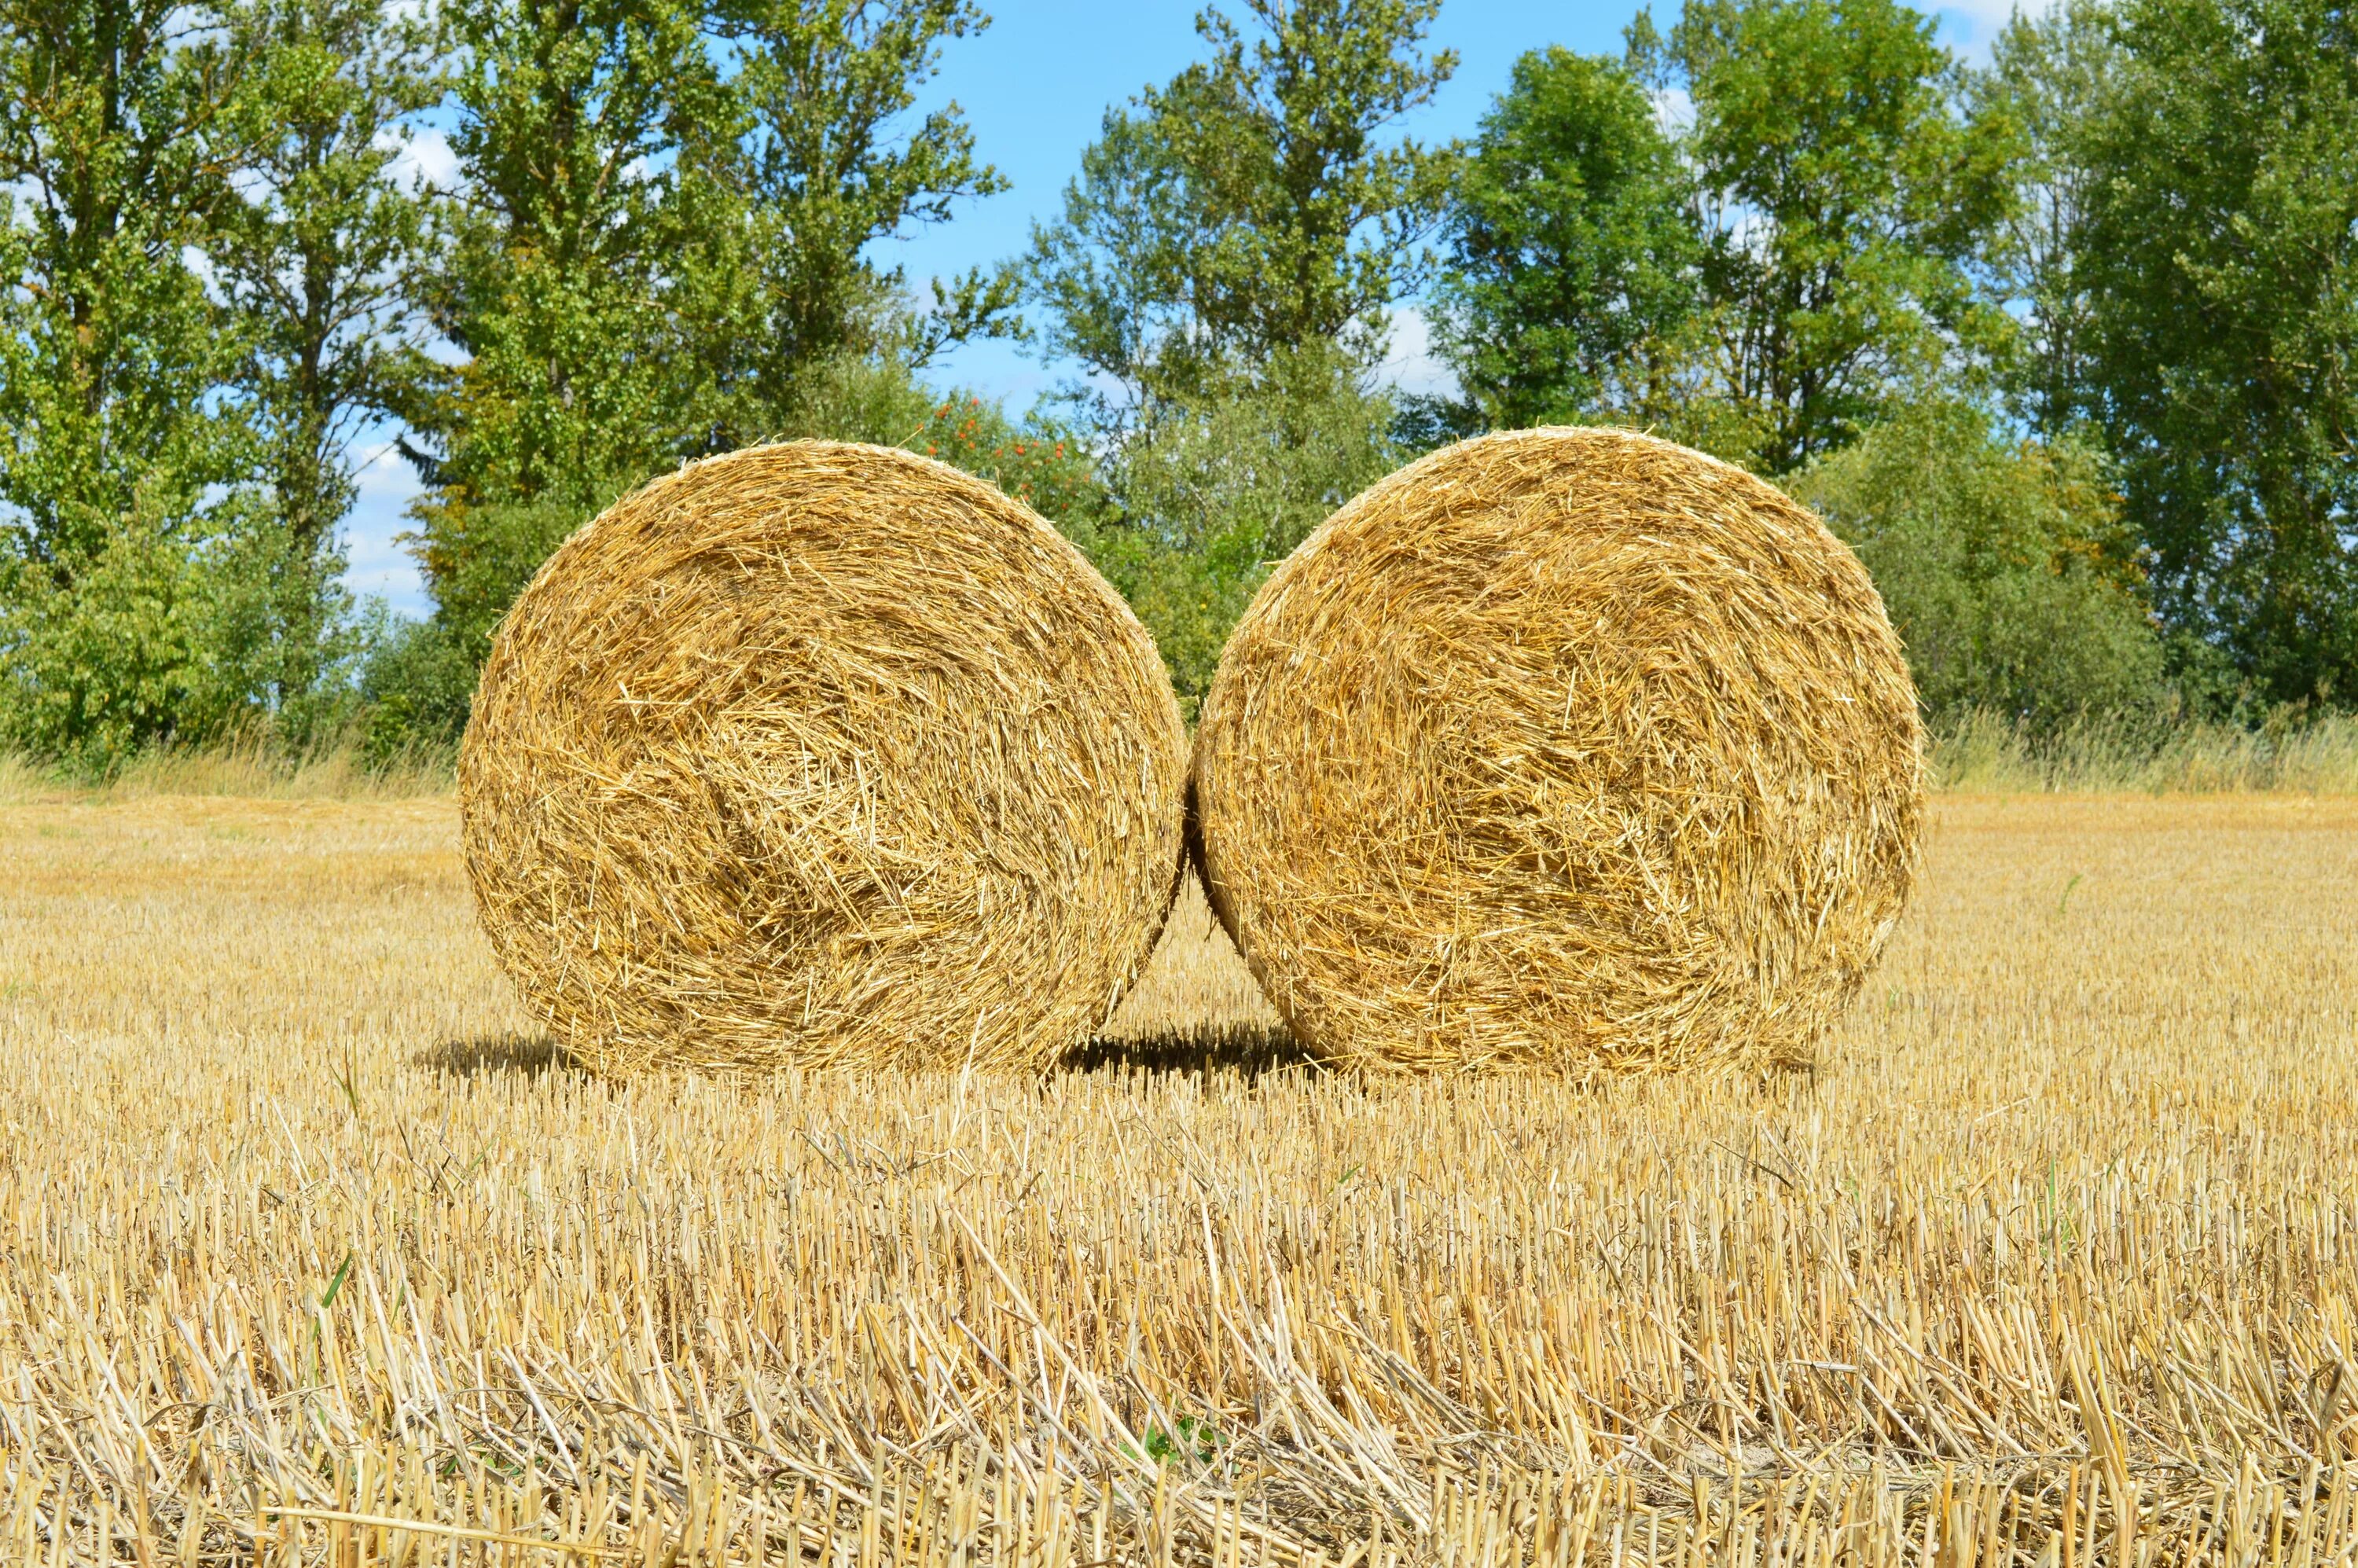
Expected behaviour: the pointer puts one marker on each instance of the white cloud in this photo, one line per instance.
(1673, 110)
(1970, 25)
(422, 156)
(1413, 366)
(373, 563)
(201, 265)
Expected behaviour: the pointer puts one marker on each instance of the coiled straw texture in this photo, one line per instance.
(1568, 749)
(818, 754)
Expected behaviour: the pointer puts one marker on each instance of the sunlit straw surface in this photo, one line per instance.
(1568, 748)
(302, 1228)
(822, 754)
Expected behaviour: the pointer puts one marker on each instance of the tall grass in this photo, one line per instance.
(253, 767)
(1987, 753)
(1981, 753)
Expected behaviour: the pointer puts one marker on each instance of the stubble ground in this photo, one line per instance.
(311, 1247)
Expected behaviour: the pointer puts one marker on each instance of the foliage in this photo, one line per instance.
(416, 687)
(654, 258)
(1573, 251)
(1846, 193)
(2219, 256)
(317, 259)
(652, 252)
(1785, 227)
(1247, 209)
(823, 170)
(480, 555)
(859, 397)
(1192, 1437)
(1226, 265)
(556, 284)
(115, 656)
(2050, 72)
(2004, 565)
(117, 131)
(1213, 494)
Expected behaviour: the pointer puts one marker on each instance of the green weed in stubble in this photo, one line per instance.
(1194, 1438)
(2062, 902)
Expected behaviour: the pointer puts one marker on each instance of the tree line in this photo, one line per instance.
(2065, 344)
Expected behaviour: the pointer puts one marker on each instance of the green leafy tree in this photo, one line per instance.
(118, 466)
(1116, 272)
(554, 285)
(826, 168)
(1847, 194)
(1227, 263)
(317, 261)
(1250, 208)
(1572, 256)
(2218, 252)
(2049, 74)
(2005, 565)
(656, 258)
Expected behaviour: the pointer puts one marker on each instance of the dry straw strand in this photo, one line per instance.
(2072, 1221)
(822, 753)
(1564, 747)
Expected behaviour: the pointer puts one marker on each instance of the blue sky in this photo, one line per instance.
(1034, 86)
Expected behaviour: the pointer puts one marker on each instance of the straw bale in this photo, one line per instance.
(819, 753)
(1562, 747)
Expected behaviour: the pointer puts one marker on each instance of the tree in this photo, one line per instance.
(1227, 261)
(1571, 247)
(1847, 194)
(2219, 256)
(825, 172)
(118, 466)
(655, 259)
(2050, 73)
(554, 286)
(1249, 208)
(1210, 495)
(555, 283)
(2005, 565)
(318, 261)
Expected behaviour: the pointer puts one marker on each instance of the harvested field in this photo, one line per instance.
(311, 1250)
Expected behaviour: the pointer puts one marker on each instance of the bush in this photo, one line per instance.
(148, 639)
(416, 687)
(1213, 493)
(2004, 565)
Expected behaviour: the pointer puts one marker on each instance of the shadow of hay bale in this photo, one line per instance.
(531, 1054)
(1249, 1051)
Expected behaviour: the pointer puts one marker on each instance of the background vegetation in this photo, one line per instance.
(2066, 345)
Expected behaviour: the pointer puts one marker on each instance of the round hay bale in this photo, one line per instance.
(818, 754)
(1562, 747)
